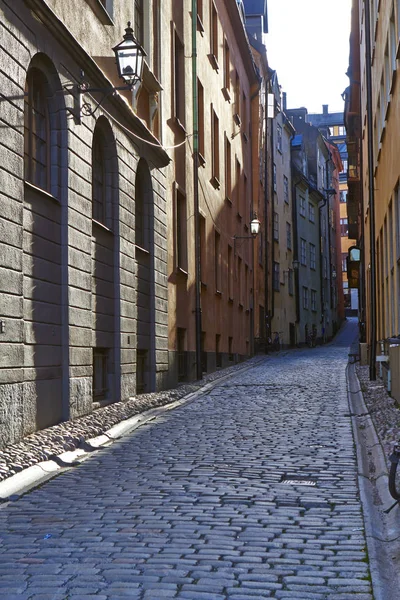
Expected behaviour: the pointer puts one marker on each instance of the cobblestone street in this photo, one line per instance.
(247, 492)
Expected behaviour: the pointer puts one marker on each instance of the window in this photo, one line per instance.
(108, 5)
(312, 256)
(313, 300)
(290, 282)
(181, 230)
(344, 163)
(311, 212)
(230, 273)
(179, 80)
(305, 298)
(236, 115)
(200, 105)
(303, 252)
(341, 130)
(100, 375)
(237, 183)
(228, 169)
(302, 203)
(215, 148)
(240, 283)
(279, 138)
(217, 261)
(344, 262)
(276, 277)
(286, 189)
(230, 349)
(200, 13)
(392, 36)
(343, 196)
(227, 71)
(37, 130)
(182, 356)
(288, 236)
(245, 199)
(139, 21)
(274, 175)
(218, 355)
(214, 35)
(246, 286)
(344, 227)
(99, 178)
(203, 249)
(276, 226)
(244, 115)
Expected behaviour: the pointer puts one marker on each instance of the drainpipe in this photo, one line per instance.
(266, 299)
(272, 222)
(371, 183)
(199, 370)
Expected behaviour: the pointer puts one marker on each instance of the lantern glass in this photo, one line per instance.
(255, 227)
(130, 57)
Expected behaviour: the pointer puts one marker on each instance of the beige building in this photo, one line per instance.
(210, 287)
(282, 235)
(373, 128)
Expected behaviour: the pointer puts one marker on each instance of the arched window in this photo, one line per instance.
(99, 183)
(104, 174)
(37, 130)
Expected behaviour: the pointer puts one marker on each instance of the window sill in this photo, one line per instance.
(41, 191)
(182, 272)
(214, 62)
(226, 93)
(237, 119)
(200, 26)
(101, 226)
(102, 13)
(142, 250)
(215, 182)
(178, 123)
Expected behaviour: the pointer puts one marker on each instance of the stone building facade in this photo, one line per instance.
(83, 215)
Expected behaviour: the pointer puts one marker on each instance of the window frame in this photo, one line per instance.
(303, 252)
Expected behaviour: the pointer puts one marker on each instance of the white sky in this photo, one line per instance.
(308, 46)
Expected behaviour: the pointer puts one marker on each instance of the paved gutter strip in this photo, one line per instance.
(382, 530)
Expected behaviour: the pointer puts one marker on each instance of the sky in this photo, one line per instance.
(308, 46)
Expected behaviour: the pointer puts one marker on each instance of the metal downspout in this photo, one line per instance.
(372, 354)
(199, 370)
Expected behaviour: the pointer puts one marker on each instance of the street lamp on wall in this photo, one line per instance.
(255, 226)
(129, 56)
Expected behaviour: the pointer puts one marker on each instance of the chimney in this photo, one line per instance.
(284, 101)
(325, 109)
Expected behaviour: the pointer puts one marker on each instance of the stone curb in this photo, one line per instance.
(21, 483)
(382, 530)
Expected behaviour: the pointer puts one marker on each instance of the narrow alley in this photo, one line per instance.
(247, 492)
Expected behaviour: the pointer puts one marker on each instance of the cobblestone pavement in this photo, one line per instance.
(248, 492)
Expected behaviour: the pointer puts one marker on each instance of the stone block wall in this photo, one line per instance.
(68, 284)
